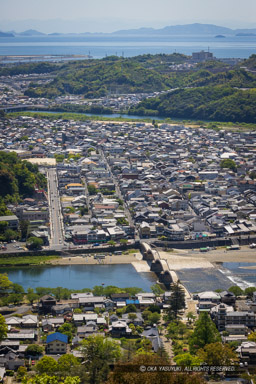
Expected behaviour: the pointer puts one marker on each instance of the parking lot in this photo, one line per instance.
(12, 247)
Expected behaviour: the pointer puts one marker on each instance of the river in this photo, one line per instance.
(125, 275)
(170, 120)
(112, 115)
(80, 276)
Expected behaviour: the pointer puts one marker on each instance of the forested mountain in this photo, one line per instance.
(28, 68)
(100, 77)
(207, 103)
(144, 73)
(210, 90)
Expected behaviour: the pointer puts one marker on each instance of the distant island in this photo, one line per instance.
(6, 34)
(220, 37)
(171, 30)
(31, 32)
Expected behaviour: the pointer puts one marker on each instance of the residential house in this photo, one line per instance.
(90, 303)
(12, 220)
(50, 325)
(120, 329)
(247, 353)
(152, 334)
(56, 343)
(228, 297)
(46, 304)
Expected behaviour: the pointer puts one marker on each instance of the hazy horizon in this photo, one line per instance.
(81, 16)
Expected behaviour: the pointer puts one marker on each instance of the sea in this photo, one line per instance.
(99, 46)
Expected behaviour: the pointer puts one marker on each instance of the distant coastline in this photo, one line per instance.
(172, 30)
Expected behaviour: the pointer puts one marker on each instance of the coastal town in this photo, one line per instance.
(110, 181)
(148, 187)
(174, 199)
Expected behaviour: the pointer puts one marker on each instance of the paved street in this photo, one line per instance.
(56, 241)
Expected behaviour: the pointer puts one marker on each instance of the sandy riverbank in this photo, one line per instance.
(114, 259)
(177, 259)
(182, 261)
(219, 255)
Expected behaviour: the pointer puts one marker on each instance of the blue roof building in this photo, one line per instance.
(135, 302)
(57, 336)
(56, 343)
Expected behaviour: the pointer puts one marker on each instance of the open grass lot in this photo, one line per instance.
(26, 260)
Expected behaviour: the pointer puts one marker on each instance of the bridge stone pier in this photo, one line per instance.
(147, 252)
(156, 266)
(159, 266)
(166, 278)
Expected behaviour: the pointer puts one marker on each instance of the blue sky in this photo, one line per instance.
(110, 15)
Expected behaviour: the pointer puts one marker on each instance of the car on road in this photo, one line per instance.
(96, 245)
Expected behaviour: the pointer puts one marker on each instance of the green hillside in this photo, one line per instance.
(18, 178)
(207, 103)
(101, 77)
(210, 90)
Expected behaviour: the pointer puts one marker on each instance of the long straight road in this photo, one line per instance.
(56, 221)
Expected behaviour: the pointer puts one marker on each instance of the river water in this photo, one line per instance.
(80, 276)
(125, 275)
(227, 275)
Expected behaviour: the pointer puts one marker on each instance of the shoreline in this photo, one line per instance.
(134, 258)
(178, 260)
(216, 256)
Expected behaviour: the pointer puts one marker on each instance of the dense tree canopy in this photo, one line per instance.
(34, 350)
(218, 102)
(99, 352)
(18, 178)
(176, 301)
(205, 332)
(5, 284)
(47, 365)
(236, 290)
(217, 354)
(100, 77)
(3, 328)
(46, 379)
(228, 163)
(34, 243)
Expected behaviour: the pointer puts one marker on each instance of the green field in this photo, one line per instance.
(25, 260)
